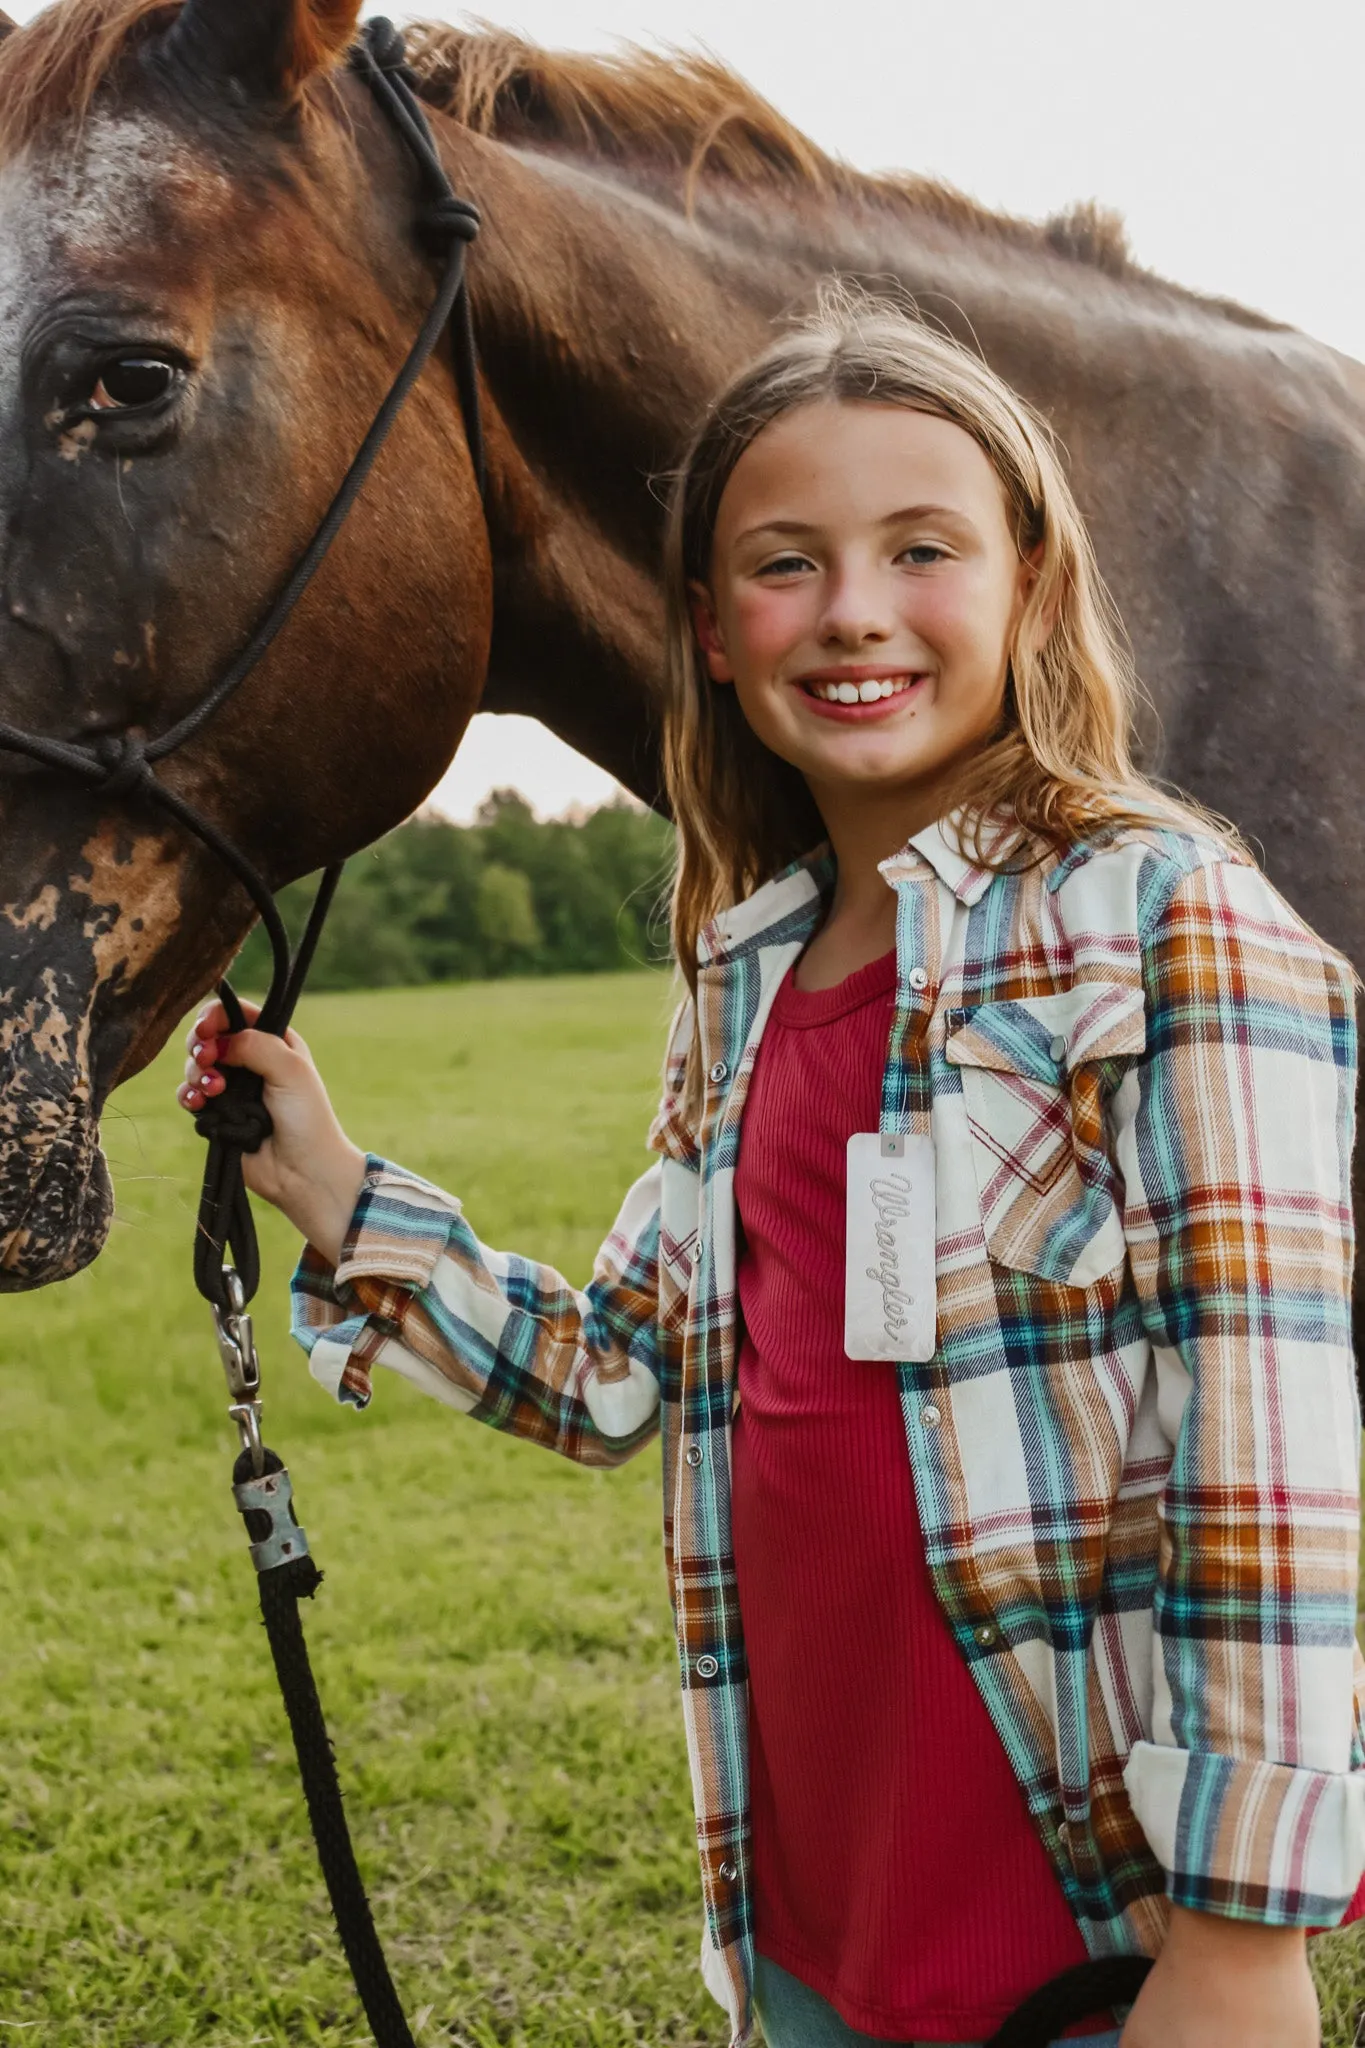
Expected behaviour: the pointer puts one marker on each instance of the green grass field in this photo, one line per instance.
(492, 1644)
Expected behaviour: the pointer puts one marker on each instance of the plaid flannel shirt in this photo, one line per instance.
(1135, 1451)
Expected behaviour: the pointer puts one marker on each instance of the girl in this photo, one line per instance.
(991, 1287)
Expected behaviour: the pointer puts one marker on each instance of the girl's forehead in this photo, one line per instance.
(840, 458)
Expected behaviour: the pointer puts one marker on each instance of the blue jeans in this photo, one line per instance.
(794, 2016)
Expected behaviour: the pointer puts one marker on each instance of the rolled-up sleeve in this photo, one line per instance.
(1233, 1136)
(503, 1338)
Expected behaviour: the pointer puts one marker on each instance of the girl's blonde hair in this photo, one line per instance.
(1061, 760)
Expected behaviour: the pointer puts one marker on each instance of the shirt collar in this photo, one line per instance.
(793, 898)
(949, 852)
(779, 908)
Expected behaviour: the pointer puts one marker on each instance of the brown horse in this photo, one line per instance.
(207, 279)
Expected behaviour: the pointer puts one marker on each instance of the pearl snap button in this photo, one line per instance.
(1056, 1049)
(929, 1415)
(727, 1873)
(719, 1071)
(694, 1455)
(987, 1634)
(707, 1667)
(917, 978)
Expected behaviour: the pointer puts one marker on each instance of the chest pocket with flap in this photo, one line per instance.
(1037, 1074)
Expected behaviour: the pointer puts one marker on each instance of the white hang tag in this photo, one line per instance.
(889, 1247)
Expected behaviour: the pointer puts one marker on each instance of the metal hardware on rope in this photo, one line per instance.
(237, 1349)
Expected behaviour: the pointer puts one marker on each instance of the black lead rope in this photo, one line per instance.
(237, 1121)
(226, 1255)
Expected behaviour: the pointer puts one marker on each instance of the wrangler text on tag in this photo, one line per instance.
(889, 1304)
(890, 1205)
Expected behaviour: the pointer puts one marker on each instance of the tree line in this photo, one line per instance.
(509, 894)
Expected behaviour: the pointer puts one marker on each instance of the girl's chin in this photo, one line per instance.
(866, 768)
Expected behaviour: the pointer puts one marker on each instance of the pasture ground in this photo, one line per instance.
(492, 1642)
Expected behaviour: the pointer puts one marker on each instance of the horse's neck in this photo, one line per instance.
(606, 319)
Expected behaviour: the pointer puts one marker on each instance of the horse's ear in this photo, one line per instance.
(268, 47)
(6, 24)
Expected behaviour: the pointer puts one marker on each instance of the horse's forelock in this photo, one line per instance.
(52, 69)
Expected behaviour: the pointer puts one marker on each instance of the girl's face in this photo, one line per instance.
(865, 587)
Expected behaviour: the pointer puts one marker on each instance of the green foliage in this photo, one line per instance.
(507, 895)
(492, 1642)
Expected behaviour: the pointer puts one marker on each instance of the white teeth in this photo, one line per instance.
(861, 693)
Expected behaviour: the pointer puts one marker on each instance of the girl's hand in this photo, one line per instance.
(1221, 1983)
(308, 1168)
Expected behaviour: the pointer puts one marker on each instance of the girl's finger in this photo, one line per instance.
(211, 1019)
(262, 1053)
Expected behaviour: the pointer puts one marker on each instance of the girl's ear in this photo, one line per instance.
(706, 626)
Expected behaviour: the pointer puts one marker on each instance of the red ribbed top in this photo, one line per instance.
(896, 1869)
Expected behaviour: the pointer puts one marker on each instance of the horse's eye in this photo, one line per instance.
(132, 380)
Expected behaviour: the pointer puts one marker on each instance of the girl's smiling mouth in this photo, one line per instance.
(859, 693)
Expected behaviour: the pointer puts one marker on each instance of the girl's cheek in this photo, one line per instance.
(952, 623)
(766, 625)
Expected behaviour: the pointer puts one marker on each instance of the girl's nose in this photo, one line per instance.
(857, 610)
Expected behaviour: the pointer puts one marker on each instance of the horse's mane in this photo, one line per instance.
(685, 112)
(678, 112)
(672, 110)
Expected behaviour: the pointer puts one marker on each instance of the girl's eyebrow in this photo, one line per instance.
(905, 516)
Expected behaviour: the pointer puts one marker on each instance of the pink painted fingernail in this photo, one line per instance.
(196, 1052)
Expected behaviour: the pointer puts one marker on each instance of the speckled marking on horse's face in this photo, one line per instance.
(111, 918)
(65, 212)
(62, 204)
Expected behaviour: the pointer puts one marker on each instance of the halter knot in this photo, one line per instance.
(385, 44)
(124, 761)
(242, 1121)
(440, 222)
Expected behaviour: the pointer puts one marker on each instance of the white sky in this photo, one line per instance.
(1228, 133)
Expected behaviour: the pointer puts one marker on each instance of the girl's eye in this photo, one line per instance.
(923, 554)
(785, 565)
(132, 381)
